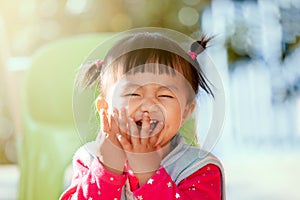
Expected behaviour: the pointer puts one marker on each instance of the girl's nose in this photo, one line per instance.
(148, 104)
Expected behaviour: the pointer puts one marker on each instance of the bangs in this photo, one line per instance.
(151, 60)
(156, 61)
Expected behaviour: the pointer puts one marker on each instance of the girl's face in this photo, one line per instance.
(165, 97)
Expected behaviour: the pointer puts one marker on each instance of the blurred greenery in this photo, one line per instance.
(31, 23)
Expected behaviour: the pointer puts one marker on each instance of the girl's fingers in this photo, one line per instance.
(126, 145)
(158, 141)
(134, 132)
(104, 124)
(123, 121)
(158, 128)
(155, 139)
(116, 115)
(113, 124)
(145, 130)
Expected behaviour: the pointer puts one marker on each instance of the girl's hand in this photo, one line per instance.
(143, 156)
(112, 155)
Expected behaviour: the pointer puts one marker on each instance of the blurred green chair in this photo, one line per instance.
(49, 135)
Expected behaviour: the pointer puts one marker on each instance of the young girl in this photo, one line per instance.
(148, 85)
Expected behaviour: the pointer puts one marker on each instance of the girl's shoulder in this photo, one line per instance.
(86, 154)
(184, 159)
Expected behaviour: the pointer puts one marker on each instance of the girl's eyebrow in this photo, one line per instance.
(130, 86)
(168, 87)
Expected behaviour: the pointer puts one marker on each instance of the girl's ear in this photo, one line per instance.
(101, 104)
(189, 109)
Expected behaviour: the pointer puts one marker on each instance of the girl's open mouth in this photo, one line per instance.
(153, 126)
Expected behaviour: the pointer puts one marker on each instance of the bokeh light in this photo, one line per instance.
(188, 16)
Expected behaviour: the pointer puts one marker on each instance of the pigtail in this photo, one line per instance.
(89, 74)
(200, 45)
(197, 48)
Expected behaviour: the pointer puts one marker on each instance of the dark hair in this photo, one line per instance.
(140, 49)
(200, 45)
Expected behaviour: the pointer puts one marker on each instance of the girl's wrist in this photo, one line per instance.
(115, 169)
(111, 156)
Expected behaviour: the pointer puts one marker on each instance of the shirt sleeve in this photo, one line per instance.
(203, 184)
(93, 181)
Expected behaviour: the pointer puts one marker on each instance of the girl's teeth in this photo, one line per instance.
(152, 121)
(153, 125)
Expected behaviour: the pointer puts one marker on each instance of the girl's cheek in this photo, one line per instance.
(123, 103)
(131, 108)
(119, 107)
(118, 102)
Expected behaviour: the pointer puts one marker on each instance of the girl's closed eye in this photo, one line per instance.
(165, 96)
(132, 95)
